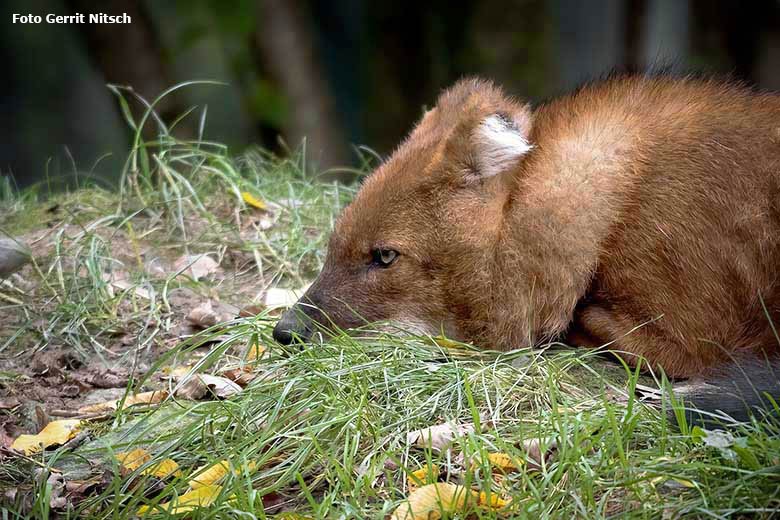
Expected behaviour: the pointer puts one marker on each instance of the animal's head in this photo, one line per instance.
(421, 230)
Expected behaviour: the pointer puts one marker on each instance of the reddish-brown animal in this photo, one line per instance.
(639, 212)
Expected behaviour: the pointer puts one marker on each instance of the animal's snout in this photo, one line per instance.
(293, 325)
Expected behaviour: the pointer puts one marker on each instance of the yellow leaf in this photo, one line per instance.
(494, 502)
(446, 343)
(163, 469)
(204, 496)
(177, 372)
(132, 460)
(256, 351)
(208, 475)
(455, 349)
(56, 432)
(503, 462)
(253, 201)
(109, 406)
(684, 482)
(428, 474)
(433, 501)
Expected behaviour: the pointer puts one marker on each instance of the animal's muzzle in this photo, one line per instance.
(294, 325)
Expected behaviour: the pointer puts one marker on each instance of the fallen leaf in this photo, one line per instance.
(14, 253)
(80, 489)
(124, 285)
(535, 456)
(272, 502)
(503, 462)
(277, 297)
(493, 501)
(204, 316)
(153, 397)
(251, 310)
(198, 386)
(196, 266)
(5, 439)
(55, 433)
(684, 482)
(108, 379)
(163, 469)
(433, 501)
(179, 372)
(438, 437)
(254, 352)
(242, 376)
(222, 387)
(132, 460)
(454, 348)
(428, 474)
(55, 482)
(9, 403)
(207, 475)
(203, 496)
(192, 389)
(70, 390)
(207, 314)
(253, 201)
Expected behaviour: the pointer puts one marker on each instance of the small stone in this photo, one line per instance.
(13, 255)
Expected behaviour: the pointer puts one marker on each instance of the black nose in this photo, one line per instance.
(283, 336)
(291, 326)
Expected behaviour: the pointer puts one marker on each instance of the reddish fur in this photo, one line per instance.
(647, 205)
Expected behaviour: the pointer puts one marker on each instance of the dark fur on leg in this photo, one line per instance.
(737, 391)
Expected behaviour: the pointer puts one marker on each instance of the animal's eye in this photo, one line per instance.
(383, 257)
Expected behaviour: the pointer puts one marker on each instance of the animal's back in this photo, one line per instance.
(681, 223)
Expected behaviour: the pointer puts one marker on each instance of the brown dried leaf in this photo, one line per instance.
(533, 448)
(203, 316)
(251, 310)
(196, 267)
(192, 389)
(200, 385)
(242, 376)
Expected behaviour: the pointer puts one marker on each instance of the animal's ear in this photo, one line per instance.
(500, 141)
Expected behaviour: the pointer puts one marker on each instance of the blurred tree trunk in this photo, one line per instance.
(286, 47)
(131, 55)
(591, 39)
(666, 35)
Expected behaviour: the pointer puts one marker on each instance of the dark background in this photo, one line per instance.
(341, 72)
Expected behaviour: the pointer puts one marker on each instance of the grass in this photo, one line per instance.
(321, 431)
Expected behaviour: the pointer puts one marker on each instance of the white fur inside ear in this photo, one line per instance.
(498, 145)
